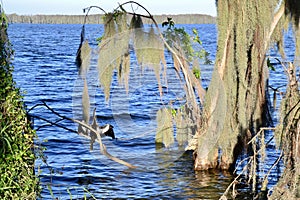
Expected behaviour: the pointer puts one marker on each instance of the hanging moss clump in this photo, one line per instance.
(121, 40)
(107, 58)
(165, 131)
(153, 55)
(85, 56)
(287, 137)
(85, 103)
(138, 37)
(185, 127)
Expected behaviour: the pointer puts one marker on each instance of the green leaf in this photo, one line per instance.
(195, 31)
(196, 72)
(270, 65)
(173, 112)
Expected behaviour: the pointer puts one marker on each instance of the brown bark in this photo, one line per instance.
(235, 102)
(288, 133)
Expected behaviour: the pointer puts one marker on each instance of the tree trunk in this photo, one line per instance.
(235, 100)
(288, 129)
(288, 135)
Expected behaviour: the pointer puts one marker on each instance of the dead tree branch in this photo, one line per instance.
(99, 140)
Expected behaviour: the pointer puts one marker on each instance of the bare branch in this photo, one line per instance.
(133, 2)
(260, 131)
(89, 8)
(104, 152)
(223, 197)
(99, 140)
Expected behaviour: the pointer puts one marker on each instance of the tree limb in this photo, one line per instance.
(99, 140)
(274, 23)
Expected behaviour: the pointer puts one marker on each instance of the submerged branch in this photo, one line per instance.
(52, 123)
(99, 140)
(234, 182)
(104, 152)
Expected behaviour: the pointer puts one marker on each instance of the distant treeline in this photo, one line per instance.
(97, 19)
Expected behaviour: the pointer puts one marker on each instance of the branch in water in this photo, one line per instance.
(97, 132)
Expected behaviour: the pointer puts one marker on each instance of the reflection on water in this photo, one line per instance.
(199, 184)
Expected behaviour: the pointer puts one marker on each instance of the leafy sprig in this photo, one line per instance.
(178, 37)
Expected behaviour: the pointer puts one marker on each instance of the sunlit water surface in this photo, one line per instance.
(45, 69)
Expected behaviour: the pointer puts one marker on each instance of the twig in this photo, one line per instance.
(234, 181)
(133, 2)
(33, 107)
(264, 185)
(53, 123)
(252, 159)
(261, 130)
(241, 162)
(276, 89)
(89, 8)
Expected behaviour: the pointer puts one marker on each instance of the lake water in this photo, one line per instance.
(45, 68)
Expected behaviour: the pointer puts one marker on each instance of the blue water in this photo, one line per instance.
(45, 68)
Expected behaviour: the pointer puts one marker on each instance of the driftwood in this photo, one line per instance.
(103, 149)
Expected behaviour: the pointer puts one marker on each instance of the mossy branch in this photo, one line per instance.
(179, 58)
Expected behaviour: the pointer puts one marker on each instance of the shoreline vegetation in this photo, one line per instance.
(17, 152)
(98, 19)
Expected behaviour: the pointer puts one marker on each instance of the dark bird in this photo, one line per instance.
(106, 130)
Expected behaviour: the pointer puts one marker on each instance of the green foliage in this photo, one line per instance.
(178, 36)
(174, 112)
(17, 179)
(269, 64)
(196, 72)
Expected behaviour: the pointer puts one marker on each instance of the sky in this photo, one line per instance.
(70, 7)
